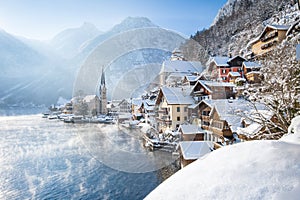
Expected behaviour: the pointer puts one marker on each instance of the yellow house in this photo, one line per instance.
(172, 107)
(269, 38)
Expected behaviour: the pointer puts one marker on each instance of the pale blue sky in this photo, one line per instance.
(42, 19)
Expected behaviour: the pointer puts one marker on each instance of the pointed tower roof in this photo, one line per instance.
(103, 77)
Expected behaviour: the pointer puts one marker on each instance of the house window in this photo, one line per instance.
(205, 123)
(178, 109)
(223, 71)
(185, 118)
(224, 78)
(178, 119)
(185, 109)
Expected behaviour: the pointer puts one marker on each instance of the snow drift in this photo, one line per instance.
(250, 170)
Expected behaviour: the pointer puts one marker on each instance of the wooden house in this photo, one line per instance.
(193, 150)
(251, 72)
(226, 117)
(172, 108)
(212, 90)
(189, 132)
(232, 76)
(268, 39)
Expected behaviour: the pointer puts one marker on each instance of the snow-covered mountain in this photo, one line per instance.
(69, 42)
(38, 72)
(127, 24)
(237, 22)
(16, 57)
(28, 75)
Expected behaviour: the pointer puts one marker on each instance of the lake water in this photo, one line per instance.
(44, 159)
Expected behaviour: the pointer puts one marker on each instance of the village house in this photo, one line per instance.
(172, 108)
(220, 67)
(190, 132)
(225, 117)
(233, 76)
(268, 39)
(193, 150)
(173, 70)
(93, 103)
(191, 80)
(212, 90)
(251, 72)
(124, 106)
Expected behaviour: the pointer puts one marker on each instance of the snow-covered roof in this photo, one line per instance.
(276, 27)
(249, 64)
(234, 74)
(249, 170)
(235, 57)
(234, 110)
(292, 27)
(192, 150)
(190, 129)
(181, 66)
(193, 106)
(150, 102)
(209, 84)
(176, 95)
(89, 98)
(250, 130)
(137, 101)
(221, 61)
(192, 78)
(254, 72)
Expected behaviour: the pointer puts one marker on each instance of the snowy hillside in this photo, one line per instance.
(28, 75)
(238, 22)
(249, 170)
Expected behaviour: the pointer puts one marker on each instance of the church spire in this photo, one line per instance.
(103, 77)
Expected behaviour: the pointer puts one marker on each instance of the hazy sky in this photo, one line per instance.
(42, 19)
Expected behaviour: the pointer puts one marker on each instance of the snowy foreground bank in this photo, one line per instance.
(249, 170)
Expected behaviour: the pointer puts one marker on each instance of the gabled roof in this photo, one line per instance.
(192, 150)
(235, 57)
(192, 78)
(292, 27)
(234, 74)
(221, 61)
(180, 66)
(190, 129)
(177, 96)
(208, 85)
(234, 110)
(276, 27)
(249, 64)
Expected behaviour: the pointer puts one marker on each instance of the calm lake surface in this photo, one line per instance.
(45, 159)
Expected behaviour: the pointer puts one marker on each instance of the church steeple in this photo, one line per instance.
(102, 92)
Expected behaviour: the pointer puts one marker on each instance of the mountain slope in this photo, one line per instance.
(29, 76)
(127, 24)
(68, 42)
(236, 23)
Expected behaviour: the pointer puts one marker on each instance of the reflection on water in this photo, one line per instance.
(44, 159)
